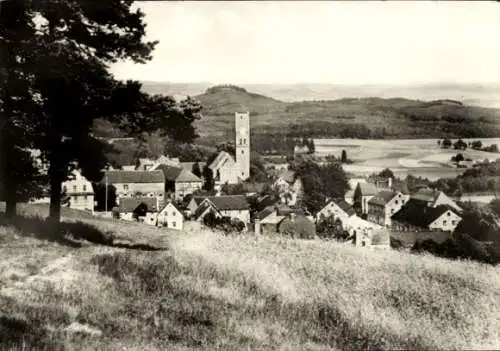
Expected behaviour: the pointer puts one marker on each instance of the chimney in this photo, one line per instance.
(257, 226)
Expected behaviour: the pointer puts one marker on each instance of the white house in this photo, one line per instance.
(338, 209)
(415, 215)
(171, 217)
(360, 228)
(136, 183)
(80, 192)
(143, 209)
(434, 198)
(384, 204)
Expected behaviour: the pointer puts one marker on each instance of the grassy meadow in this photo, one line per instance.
(150, 289)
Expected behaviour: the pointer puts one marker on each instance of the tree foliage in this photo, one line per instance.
(321, 183)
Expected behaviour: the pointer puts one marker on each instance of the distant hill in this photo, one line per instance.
(370, 117)
(347, 117)
(471, 94)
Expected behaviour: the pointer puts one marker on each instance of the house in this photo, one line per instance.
(338, 209)
(434, 198)
(79, 192)
(143, 209)
(144, 164)
(358, 227)
(418, 215)
(378, 239)
(170, 217)
(362, 194)
(165, 160)
(189, 166)
(232, 206)
(384, 204)
(269, 218)
(180, 181)
(136, 183)
(194, 203)
(289, 187)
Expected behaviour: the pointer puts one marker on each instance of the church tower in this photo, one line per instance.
(242, 124)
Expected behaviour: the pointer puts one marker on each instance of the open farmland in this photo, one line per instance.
(198, 290)
(419, 157)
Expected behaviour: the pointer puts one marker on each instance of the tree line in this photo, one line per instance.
(55, 82)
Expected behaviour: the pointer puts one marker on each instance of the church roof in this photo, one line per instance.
(222, 158)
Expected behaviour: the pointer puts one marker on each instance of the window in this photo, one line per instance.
(396, 202)
(242, 152)
(125, 187)
(444, 222)
(85, 197)
(74, 188)
(244, 141)
(449, 214)
(84, 188)
(452, 222)
(173, 224)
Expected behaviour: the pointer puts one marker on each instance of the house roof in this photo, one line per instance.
(345, 206)
(202, 208)
(426, 194)
(382, 197)
(134, 177)
(220, 160)
(129, 204)
(177, 174)
(169, 203)
(188, 166)
(417, 213)
(265, 212)
(230, 202)
(367, 189)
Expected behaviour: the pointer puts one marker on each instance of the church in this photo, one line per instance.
(224, 167)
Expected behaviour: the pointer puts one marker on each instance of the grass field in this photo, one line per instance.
(419, 157)
(204, 291)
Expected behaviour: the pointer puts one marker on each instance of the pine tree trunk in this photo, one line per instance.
(55, 179)
(10, 199)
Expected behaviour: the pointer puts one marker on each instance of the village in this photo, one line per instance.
(165, 192)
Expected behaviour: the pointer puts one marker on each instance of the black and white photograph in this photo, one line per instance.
(249, 175)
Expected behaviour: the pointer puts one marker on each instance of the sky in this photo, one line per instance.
(287, 42)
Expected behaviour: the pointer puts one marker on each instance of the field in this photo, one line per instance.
(419, 157)
(154, 289)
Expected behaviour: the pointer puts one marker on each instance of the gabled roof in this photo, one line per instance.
(222, 158)
(416, 212)
(134, 177)
(230, 202)
(202, 208)
(345, 206)
(169, 203)
(367, 189)
(129, 204)
(189, 165)
(177, 174)
(265, 212)
(382, 197)
(426, 194)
